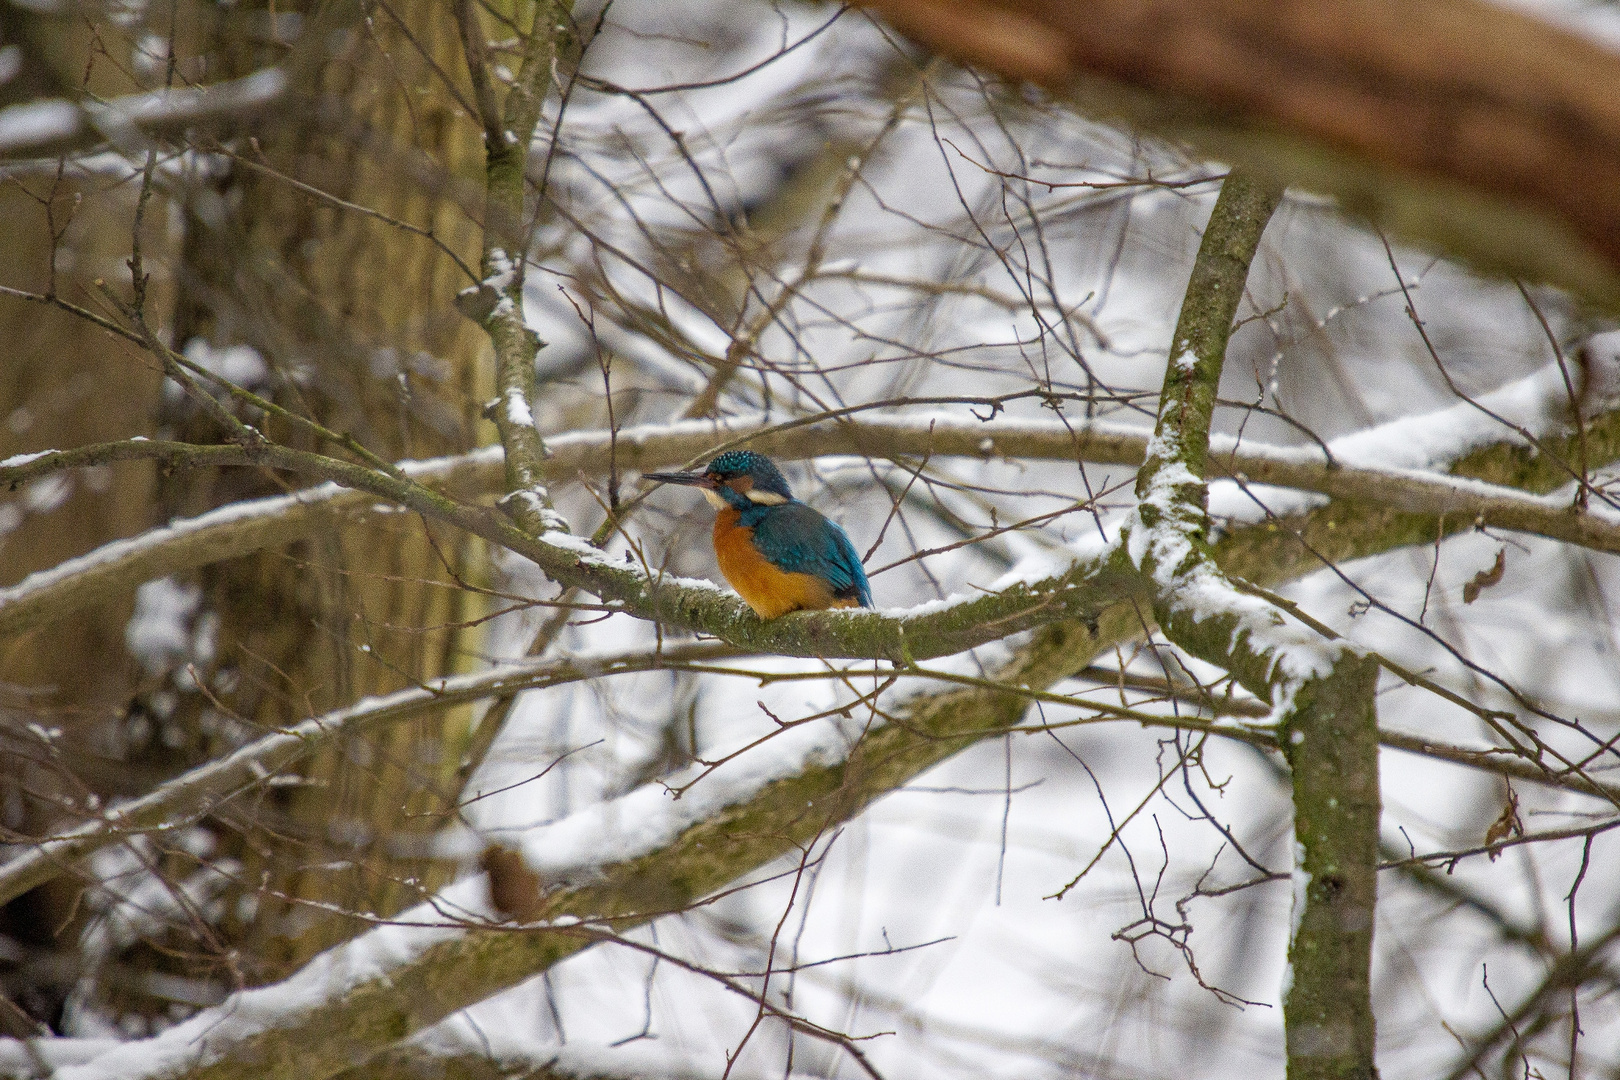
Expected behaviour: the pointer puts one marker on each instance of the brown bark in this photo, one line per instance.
(1465, 107)
(93, 387)
(354, 609)
(361, 608)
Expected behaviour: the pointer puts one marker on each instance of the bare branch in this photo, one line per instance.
(50, 128)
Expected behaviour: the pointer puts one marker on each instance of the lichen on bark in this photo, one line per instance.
(1321, 691)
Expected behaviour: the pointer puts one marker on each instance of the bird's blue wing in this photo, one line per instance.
(799, 540)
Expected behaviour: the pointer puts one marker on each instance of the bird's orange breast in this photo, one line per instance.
(769, 590)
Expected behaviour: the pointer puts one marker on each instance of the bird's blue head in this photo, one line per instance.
(736, 478)
(745, 471)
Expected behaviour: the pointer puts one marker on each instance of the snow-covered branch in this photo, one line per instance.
(1397, 465)
(226, 533)
(48, 128)
(1321, 690)
(496, 302)
(178, 802)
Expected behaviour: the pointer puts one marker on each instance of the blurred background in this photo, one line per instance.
(740, 208)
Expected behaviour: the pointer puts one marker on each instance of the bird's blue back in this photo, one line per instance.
(797, 539)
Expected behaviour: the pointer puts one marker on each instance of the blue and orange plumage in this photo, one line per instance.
(779, 554)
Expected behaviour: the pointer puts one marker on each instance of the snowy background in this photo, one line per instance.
(989, 919)
(950, 280)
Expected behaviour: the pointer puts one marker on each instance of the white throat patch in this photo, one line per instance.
(715, 500)
(765, 498)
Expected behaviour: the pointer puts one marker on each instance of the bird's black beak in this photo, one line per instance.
(690, 479)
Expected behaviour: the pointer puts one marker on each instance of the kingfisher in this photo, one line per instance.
(779, 554)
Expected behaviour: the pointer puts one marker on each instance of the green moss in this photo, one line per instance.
(1331, 742)
(1329, 728)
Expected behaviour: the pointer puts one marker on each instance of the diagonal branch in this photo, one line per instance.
(178, 802)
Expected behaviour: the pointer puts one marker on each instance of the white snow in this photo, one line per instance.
(47, 493)
(365, 958)
(158, 634)
(240, 364)
(259, 88)
(11, 60)
(1301, 879)
(517, 408)
(1537, 402)
(37, 122)
(502, 274)
(18, 1058)
(16, 460)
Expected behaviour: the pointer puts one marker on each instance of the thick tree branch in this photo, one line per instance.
(1462, 125)
(1322, 692)
(1414, 506)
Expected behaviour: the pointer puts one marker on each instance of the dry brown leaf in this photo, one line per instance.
(514, 889)
(1486, 578)
(1508, 824)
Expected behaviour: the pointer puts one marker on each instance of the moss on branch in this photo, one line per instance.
(1330, 738)
(1371, 512)
(1321, 692)
(496, 302)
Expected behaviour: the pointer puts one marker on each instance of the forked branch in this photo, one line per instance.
(1321, 691)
